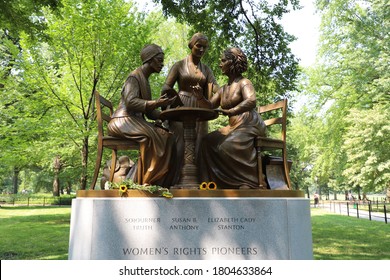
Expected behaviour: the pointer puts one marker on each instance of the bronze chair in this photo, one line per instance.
(271, 144)
(104, 111)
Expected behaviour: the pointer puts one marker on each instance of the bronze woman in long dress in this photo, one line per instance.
(228, 156)
(196, 83)
(156, 145)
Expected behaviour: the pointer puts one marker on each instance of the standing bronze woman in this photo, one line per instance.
(195, 79)
(196, 83)
(228, 156)
(156, 145)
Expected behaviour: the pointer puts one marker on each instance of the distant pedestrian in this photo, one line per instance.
(316, 199)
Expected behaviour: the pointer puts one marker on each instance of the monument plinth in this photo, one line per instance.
(208, 225)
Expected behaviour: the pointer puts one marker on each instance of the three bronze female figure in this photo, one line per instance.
(227, 156)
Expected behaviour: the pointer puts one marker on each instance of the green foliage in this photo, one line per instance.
(49, 110)
(355, 51)
(348, 91)
(24, 15)
(368, 149)
(19, 127)
(302, 148)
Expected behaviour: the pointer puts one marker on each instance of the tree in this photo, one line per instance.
(16, 16)
(368, 149)
(90, 45)
(57, 166)
(302, 148)
(349, 87)
(18, 128)
(354, 51)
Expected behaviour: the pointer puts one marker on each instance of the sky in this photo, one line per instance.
(303, 24)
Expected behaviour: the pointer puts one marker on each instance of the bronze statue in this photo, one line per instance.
(122, 168)
(196, 83)
(156, 144)
(228, 156)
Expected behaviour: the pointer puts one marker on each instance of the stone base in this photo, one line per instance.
(190, 228)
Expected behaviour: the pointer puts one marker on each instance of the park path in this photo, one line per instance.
(353, 210)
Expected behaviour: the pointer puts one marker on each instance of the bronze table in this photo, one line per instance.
(189, 116)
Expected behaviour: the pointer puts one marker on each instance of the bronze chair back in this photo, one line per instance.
(104, 111)
(278, 116)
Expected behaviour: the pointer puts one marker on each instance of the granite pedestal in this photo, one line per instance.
(206, 227)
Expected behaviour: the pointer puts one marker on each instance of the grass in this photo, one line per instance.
(42, 233)
(337, 237)
(34, 233)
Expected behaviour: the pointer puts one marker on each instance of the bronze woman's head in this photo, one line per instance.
(150, 51)
(195, 38)
(239, 61)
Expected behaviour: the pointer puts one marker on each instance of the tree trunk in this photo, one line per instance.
(69, 187)
(84, 158)
(320, 192)
(56, 182)
(56, 185)
(15, 180)
(359, 196)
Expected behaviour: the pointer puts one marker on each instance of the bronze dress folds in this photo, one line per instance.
(129, 122)
(228, 155)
